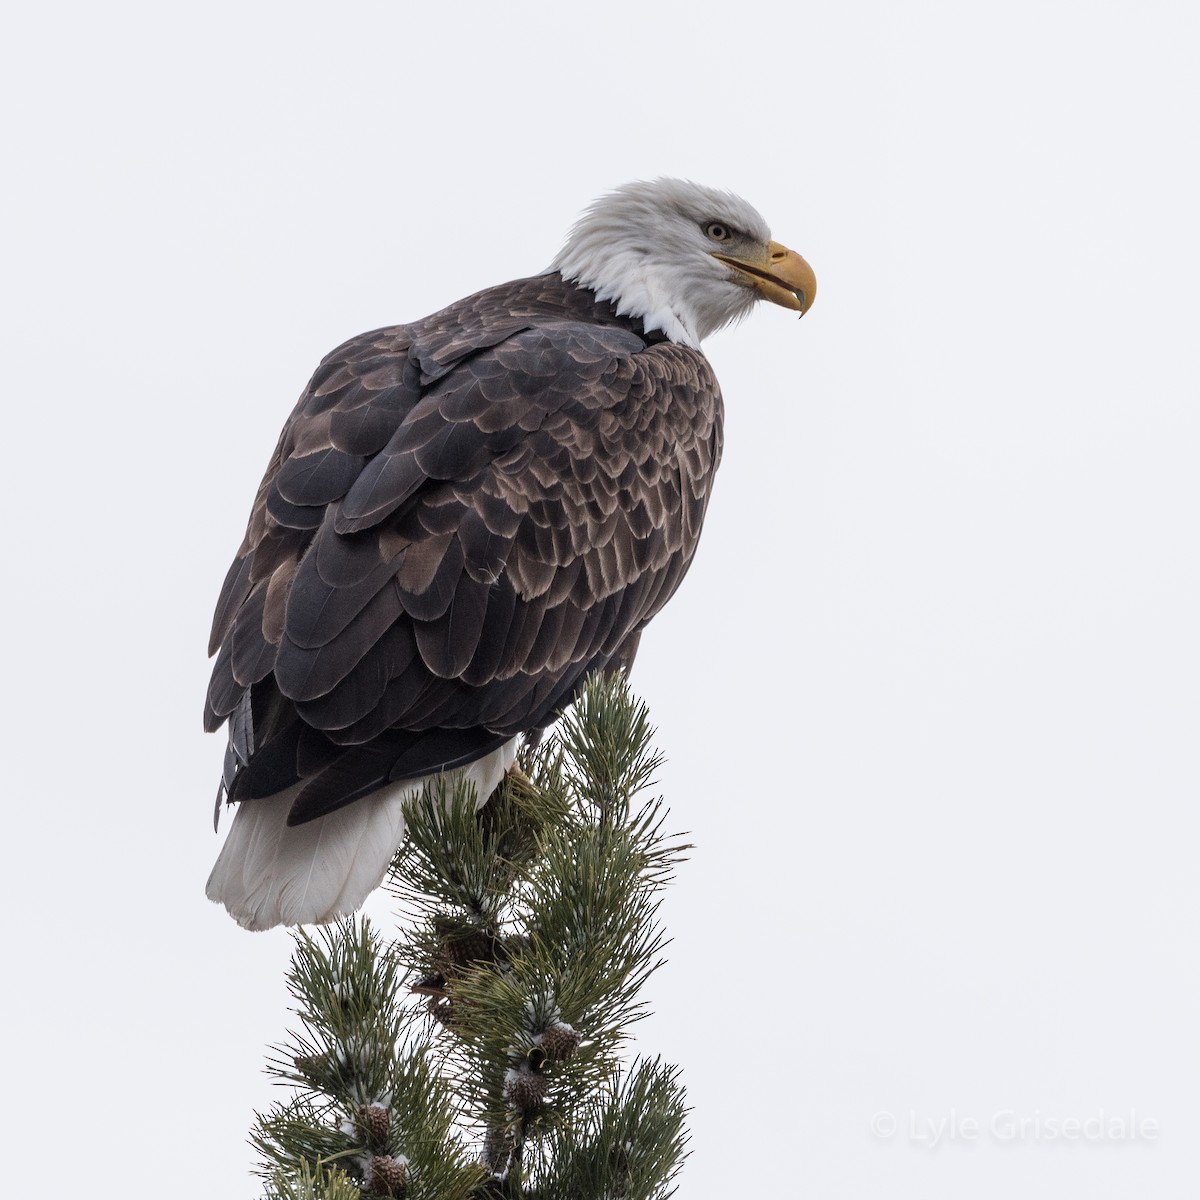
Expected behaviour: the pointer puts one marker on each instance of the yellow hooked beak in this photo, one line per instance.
(781, 275)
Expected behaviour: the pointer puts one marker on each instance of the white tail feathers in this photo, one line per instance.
(269, 873)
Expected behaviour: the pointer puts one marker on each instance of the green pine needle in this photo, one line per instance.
(530, 926)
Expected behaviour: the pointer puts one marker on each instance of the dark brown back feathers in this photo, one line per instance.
(463, 517)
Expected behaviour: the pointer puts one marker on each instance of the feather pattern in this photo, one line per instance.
(463, 517)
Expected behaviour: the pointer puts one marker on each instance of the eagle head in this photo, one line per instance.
(686, 259)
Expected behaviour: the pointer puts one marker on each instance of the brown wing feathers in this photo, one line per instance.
(463, 517)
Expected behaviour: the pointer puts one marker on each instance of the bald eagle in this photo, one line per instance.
(464, 517)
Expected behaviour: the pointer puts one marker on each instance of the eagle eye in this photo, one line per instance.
(717, 231)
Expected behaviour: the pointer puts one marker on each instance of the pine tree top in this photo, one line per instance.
(479, 1054)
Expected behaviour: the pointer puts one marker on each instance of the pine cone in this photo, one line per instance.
(525, 1090)
(374, 1120)
(463, 944)
(387, 1176)
(474, 946)
(560, 1042)
(318, 1069)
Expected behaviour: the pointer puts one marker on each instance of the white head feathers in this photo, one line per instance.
(648, 247)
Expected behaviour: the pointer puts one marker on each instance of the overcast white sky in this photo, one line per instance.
(929, 694)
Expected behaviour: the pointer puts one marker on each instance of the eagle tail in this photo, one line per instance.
(271, 873)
